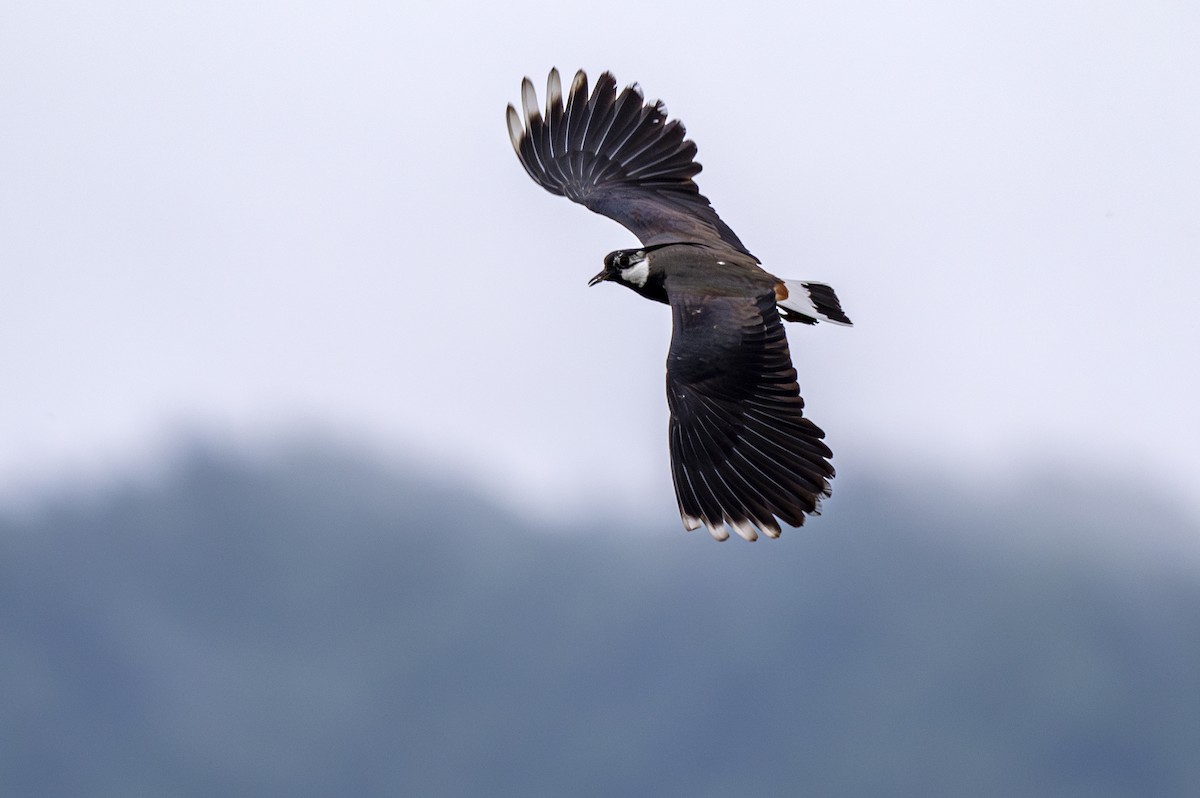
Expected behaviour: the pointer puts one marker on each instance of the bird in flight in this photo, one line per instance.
(743, 455)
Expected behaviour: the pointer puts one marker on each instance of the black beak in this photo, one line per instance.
(601, 277)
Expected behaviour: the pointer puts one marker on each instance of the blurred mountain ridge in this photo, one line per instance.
(319, 621)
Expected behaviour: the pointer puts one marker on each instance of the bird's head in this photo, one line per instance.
(628, 266)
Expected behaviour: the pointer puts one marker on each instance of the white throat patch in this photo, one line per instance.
(638, 273)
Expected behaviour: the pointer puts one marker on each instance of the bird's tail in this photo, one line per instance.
(809, 302)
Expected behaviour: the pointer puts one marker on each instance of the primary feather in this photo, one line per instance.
(619, 156)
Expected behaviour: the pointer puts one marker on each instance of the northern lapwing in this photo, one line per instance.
(743, 454)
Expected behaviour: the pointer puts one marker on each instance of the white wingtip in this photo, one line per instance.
(691, 522)
(554, 98)
(580, 85)
(744, 528)
(529, 100)
(718, 531)
(515, 130)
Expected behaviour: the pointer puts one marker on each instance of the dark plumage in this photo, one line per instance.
(742, 452)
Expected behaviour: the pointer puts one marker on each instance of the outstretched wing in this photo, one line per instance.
(620, 157)
(742, 452)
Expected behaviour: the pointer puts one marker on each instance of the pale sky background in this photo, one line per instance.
(239, 219)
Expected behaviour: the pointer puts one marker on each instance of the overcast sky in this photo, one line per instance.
(238, 219)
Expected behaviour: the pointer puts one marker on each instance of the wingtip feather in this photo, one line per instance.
(554, 95)
(516, 131)
(744, 528)
(579, 85)
(529, 100)
(718, 531)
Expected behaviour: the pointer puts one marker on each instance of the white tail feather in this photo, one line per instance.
(800, 300)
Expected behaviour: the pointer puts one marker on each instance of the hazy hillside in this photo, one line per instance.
(321, 625)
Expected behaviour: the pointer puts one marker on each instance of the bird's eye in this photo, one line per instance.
(627, 260)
